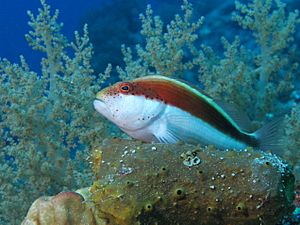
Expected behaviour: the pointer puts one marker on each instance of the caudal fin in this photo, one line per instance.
(270, 135)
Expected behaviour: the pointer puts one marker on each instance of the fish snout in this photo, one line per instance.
(100, 96)
(102, 108)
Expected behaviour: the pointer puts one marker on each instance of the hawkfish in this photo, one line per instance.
(166, 110)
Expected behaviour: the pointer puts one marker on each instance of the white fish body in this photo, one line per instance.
(145, 113)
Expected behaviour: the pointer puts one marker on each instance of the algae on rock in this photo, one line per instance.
(153, 184)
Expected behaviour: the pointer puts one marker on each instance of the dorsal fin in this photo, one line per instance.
(193, 86)
(179, 80)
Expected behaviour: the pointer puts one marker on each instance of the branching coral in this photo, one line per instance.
(165, 52)
(47, 122)
(292, 134)
(259, 76)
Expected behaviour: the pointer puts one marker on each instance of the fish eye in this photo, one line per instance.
(125, 87)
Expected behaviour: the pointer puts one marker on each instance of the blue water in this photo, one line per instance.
(73, 13)
(13, 23)
(14, 18)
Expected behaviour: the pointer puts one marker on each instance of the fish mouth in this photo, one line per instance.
(99, 103)
(99, 99)
(102, 108)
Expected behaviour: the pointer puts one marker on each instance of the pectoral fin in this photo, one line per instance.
(176, 128)
(166, 135)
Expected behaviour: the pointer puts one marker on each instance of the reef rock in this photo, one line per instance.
(183, 184)
(145, 184)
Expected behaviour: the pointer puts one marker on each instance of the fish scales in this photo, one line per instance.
(161, 109)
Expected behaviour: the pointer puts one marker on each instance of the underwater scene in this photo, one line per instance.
(148, 112)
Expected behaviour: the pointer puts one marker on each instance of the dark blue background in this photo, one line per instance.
(74, 13)
(114, 22)
(14, 19)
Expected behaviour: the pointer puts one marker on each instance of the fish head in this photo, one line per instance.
(129, 105)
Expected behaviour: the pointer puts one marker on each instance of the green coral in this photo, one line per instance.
(46, 118)
(163, 52)
(264, 74)
(292, 134)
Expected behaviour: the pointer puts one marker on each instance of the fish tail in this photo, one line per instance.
(270, 136)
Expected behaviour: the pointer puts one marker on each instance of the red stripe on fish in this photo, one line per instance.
(179, 96)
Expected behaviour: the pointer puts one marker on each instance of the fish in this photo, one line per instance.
(161, 109)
